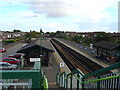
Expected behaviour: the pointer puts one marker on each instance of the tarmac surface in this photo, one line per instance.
(51, 71)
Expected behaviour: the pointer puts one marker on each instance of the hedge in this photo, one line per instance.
(12, 41)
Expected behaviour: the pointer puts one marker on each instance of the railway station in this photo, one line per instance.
(70, 68)
(60, 44)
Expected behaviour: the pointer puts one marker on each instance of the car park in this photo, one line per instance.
(8, 66)
(11, 60)
(17, 55)
(2, 50)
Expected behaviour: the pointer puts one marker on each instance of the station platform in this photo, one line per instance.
(74, 46)
(54, 68)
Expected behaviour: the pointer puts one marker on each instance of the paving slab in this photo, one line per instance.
(51, 71)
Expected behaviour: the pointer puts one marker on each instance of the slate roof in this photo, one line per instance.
(107, 45)
(44, 43)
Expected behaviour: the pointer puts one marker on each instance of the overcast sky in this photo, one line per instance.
(62, 15)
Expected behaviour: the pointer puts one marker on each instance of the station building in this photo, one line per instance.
(40, 48)
(108, 51)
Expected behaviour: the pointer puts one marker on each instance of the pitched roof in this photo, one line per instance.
(106, 45)
(43, 43)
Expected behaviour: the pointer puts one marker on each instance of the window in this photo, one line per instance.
(8, 64)
(4, 65)
(6, 60)
(11, 60)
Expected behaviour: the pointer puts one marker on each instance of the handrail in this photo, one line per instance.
(62, 73)
(98, 72)
(117, 65)
(76, 71)
(100, 79)
(95, 73)
(93, 80)
(17, 84)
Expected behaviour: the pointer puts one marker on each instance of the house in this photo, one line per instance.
(11, 35)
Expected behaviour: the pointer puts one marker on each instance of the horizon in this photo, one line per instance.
(66, 31)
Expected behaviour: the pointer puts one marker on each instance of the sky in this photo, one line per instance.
(62, 15)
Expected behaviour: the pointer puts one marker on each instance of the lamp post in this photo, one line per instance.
(41, 45)
(41, 34)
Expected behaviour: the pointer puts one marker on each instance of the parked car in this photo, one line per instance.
(17, 55)
(2, 50)
(11, 60)
(8, 66)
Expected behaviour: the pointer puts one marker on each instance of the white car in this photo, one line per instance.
(8, 66)
(2, 50)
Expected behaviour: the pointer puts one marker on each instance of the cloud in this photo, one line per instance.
(55, 14)
(9, 2)
(24, 14)
(59, 26)
(11, 24)
(50, 8)
(62, 8)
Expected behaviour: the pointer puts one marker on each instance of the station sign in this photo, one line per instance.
(62, 64)
(35, 59)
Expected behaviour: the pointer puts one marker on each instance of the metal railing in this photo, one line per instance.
(2, 81)
(97, 80)
(34, 78)
(16, 86)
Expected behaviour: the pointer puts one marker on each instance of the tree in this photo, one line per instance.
(16, 30)
(32, 35)
(102, 37)
(52, 34)
(41, 31)
(88, 41)
(47, 32)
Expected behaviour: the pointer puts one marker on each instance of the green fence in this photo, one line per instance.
(98, 80)
(36, 76)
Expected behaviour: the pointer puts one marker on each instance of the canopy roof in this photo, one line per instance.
(107, 45)
(41, 43)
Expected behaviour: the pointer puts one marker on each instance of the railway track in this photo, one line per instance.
(63, 56)
(74, 59)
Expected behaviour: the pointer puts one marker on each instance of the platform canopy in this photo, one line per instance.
(108, 51)
(40, 48)
(107, 45)
(45, 44)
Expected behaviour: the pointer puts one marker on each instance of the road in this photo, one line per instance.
(11, 50)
